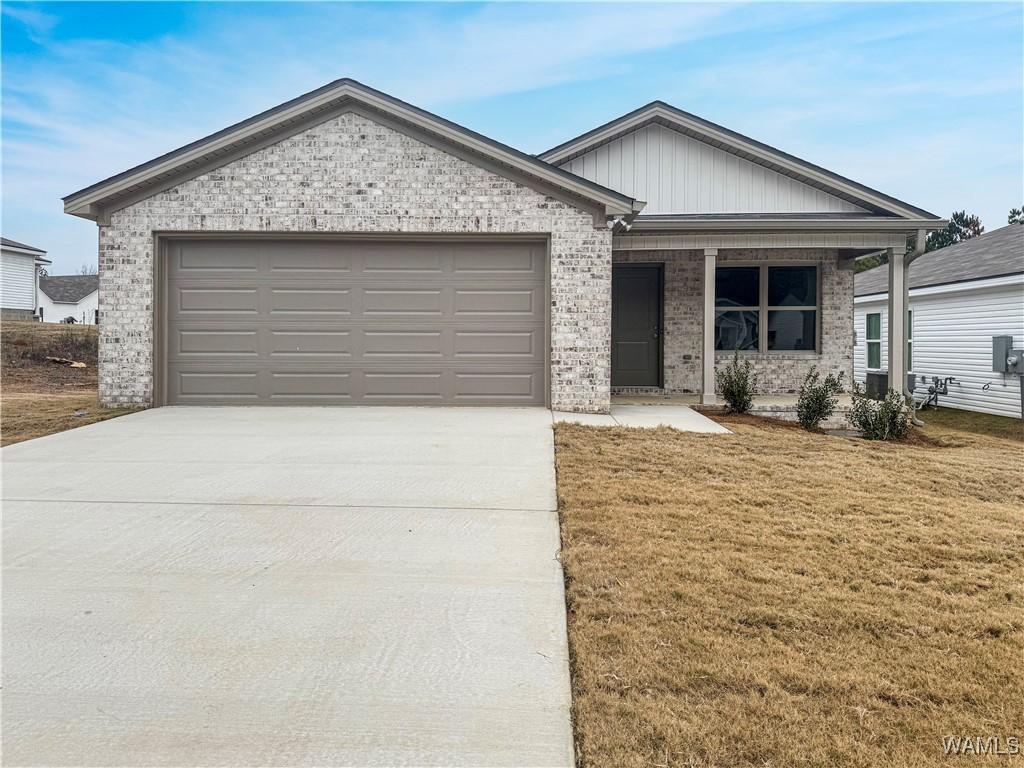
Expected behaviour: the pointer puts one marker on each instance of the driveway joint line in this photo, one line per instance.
(272, 504)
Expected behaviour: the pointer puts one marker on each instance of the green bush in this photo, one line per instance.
(737, 382)
(888, 419)
(818, 398)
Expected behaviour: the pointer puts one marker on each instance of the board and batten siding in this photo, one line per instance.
(17, 281)
(674, 173)
(953, 330)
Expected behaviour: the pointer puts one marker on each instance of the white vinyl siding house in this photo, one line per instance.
(69, 296)
(19, 265)
(19, 282)
(84, 311)
(952, 329)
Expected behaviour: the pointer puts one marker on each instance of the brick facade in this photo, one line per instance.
(779, 373)
(351, 174)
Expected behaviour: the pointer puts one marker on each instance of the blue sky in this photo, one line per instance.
(922, 101)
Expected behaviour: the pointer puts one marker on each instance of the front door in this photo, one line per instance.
(636, 325)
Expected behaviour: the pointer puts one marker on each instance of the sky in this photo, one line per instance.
(922, 101)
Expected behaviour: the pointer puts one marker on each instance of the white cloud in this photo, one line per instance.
(84, 109)
(90, 108)
(37, 22)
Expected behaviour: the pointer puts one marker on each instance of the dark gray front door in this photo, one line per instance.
(369, 322)
(636, 325)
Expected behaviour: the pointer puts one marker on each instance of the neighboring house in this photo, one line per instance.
(19, 279)
(960, 297)
(64, 296)
(348, 247)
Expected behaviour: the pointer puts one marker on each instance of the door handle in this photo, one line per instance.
(656, 332)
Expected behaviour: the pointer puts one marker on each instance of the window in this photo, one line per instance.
(910, 339)
(873, 336)
(737, 308)
(766, 307)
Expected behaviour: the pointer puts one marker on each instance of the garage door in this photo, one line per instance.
(307, 322)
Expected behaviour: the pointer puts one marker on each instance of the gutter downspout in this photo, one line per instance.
(919, 246)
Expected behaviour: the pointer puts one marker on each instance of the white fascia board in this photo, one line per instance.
(879, 223)
(26, 252)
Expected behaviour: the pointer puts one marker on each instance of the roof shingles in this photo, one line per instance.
(994, 254)
(69, 289)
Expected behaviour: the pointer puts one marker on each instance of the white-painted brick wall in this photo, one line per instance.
(351, 174)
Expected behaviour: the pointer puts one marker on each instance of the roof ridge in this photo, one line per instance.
(240, 135)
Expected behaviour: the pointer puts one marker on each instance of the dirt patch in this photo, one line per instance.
(39, 397)
(25, 347)
(778, 597)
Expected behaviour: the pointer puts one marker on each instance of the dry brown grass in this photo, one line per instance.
(24, 415)
(780, 598)
(39, 397)
(940, 420)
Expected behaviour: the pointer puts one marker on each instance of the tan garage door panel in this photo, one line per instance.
(265, 321)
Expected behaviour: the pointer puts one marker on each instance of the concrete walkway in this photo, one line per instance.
(680, 417)
(261, 586)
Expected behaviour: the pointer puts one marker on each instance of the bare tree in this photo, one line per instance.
(88, 269)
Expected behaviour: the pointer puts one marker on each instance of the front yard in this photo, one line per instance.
(780, 598)
(39, 397)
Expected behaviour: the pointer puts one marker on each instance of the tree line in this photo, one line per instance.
(962, 226)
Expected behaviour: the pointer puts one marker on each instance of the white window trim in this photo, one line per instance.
(763, 309)
(910, 340)
(869, 341)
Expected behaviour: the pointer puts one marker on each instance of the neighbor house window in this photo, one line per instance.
(873, 336)
(766, 307)
(910, 339)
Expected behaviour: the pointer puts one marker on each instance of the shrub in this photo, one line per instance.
(888, 419)
(737, 382)
(818, 398)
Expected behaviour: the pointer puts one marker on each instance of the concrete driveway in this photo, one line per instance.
(300, 586)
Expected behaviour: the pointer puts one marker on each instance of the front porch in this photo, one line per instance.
(683, 304)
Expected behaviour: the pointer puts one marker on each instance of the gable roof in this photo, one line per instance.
(69, 289)
(8, 243)
(658, 112)
(994, 254)
(318, 105)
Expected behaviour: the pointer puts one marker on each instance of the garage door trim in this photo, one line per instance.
(162, 241)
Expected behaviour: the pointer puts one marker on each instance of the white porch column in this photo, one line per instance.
(707, 394)
(898, 303)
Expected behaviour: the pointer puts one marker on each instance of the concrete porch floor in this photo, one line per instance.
(765, 402)
(676, 416)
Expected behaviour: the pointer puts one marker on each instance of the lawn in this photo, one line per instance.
(39, 397)
(941, 420)
(780, 598)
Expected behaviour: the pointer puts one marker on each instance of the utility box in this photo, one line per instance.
(1006, 359)
(876, 384)
(1001, 347)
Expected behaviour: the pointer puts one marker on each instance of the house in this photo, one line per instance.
(19, 279)
(69, 296)
(348, 247)
(960, 297)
